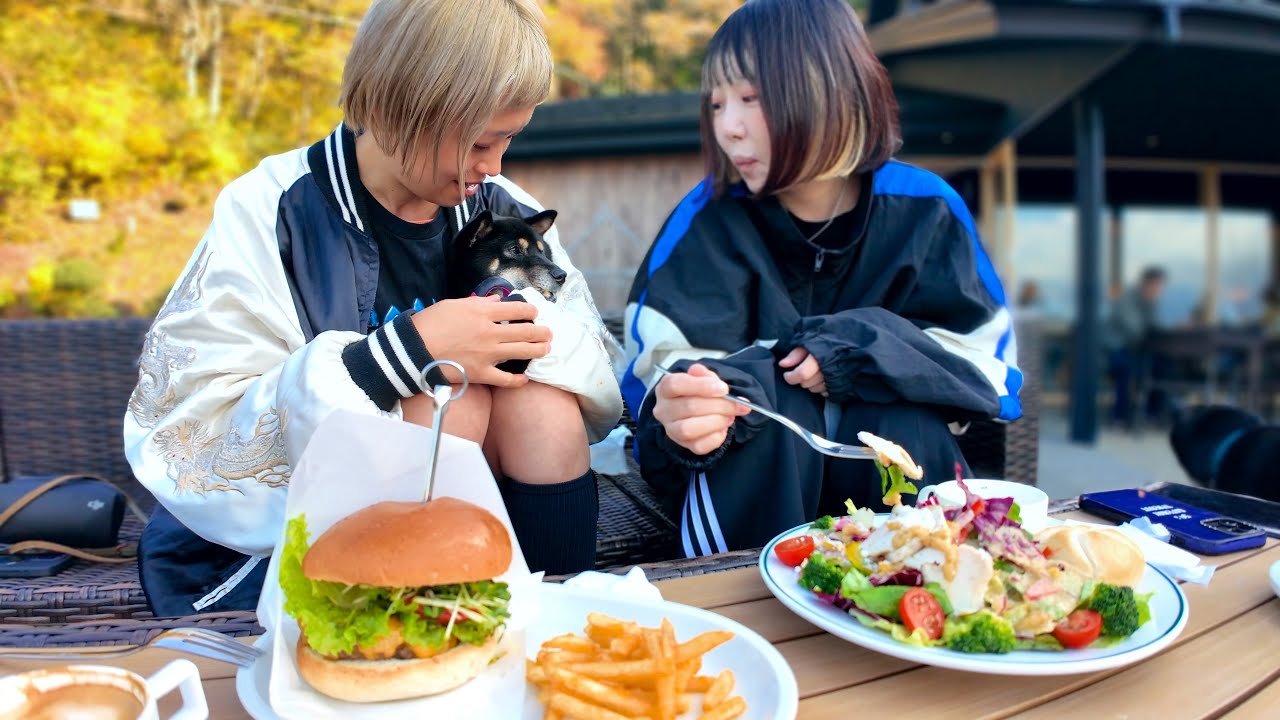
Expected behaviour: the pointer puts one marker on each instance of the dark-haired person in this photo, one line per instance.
(815, 275)
(315, 289)
(1130, 321)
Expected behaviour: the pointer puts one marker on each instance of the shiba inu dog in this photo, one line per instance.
(497, 246)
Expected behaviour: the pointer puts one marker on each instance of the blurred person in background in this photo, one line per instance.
(1271, 311)
(1029, 297)
(1130, 320)
(814, 275)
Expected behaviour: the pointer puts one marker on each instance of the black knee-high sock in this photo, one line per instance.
(555, 523)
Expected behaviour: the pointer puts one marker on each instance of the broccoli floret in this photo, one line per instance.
(1118, 607)
(980, 633)
(826, 522)
(821, 574)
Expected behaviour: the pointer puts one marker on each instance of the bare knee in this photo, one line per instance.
(466, 416)
(539, 433)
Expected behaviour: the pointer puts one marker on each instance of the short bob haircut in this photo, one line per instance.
(826, 98)
(420, 70)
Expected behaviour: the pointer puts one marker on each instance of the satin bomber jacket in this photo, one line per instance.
(245, 358)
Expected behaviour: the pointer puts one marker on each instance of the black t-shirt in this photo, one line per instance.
(412, 259)
(837, 235)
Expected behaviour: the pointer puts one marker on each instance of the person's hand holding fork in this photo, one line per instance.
(693, 409)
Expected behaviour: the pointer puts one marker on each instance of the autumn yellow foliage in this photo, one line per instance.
(148, 107)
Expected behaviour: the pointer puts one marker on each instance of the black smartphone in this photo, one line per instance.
(29, 565)
(1196, 529)
(519, 365)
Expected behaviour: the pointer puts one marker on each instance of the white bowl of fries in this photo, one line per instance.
(593, 656)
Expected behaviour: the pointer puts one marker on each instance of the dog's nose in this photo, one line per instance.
(557, 274)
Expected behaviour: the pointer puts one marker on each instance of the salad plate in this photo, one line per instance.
(763, 677)
(1168, 618)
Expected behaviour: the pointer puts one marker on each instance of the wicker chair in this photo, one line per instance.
(63, 393)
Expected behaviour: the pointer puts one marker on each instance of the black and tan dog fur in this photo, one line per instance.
(508, 247)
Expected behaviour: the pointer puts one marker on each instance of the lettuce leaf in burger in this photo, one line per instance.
(397, 600)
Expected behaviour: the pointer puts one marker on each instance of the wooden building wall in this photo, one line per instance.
(610, 210)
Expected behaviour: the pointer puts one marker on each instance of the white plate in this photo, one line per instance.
(1168, 617)
(252, 683)
(1275, 577)
(762, 676)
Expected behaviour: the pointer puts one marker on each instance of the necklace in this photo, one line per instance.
(831, 218)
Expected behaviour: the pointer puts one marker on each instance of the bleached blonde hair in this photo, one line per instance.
(420, 70)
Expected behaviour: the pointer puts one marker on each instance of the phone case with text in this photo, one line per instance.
(1190, 527)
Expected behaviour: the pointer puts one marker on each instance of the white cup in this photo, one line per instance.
(1033, 503)
(101, 692)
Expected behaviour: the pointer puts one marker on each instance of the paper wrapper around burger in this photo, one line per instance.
(354, 461)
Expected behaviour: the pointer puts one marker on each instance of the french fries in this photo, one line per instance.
(618, 670)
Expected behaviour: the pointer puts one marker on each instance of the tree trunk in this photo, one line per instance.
(190, 54)
(215, 60)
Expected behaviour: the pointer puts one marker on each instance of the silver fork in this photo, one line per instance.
(817, 442)
(195, 641)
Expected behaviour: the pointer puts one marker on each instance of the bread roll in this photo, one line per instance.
(1103, 554)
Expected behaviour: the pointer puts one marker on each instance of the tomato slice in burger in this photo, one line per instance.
(794, 551)
(1079, 629)
(920, 609)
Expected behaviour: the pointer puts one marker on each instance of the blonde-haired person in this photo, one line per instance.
(812, 274)
(320, 285)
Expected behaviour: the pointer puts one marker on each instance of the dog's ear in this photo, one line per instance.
(478, 229)
(542, 221)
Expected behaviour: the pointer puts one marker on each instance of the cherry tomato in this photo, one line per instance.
(920, 609)
(443, 617)
(1079, 629)
(795, 550)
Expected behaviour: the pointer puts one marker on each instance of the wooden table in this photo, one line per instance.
(1226, 663)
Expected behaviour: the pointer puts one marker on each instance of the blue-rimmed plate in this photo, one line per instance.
(1168, 618)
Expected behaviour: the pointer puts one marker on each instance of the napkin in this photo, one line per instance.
(633, 585)
(1153, 539)
(609, 456)
(354, 461)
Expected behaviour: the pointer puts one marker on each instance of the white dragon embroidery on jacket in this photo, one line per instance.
(200, 463)
(153, 399)
(186, 296)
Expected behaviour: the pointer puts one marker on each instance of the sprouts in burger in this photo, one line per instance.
(397, 600)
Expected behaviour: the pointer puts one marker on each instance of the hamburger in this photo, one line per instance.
(397, 600)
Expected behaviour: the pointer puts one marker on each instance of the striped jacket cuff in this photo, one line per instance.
(388, 363)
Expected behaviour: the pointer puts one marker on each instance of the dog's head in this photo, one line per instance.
(508, 247)
(1200, 435)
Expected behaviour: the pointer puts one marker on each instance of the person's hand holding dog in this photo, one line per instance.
(805, 371)
(693, 409)
(469, 332)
